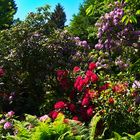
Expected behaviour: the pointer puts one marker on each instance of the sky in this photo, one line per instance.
(26, 6)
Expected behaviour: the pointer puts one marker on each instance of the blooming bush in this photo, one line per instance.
(91, 92)
(28, 63)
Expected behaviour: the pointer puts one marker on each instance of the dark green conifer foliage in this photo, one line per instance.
(7, 10)
(58, 17)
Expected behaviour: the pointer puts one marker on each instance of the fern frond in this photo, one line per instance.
(93, 125)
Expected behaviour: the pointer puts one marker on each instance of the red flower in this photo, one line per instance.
(81, 85)
(53, 114)
(64, 84)
(59, 105)
(1, 72)
(92, 94)
(90, 111)
(76, 69)
(83, 114)
(104, 87)
(72, 107)
(92, 66)
(120, 88)
(111, 100)
(94, 78)
(75, 118)
(85, 101)
(77, 81)
(89, 73)
(86, 80)
(71, 96)
(61, 74)
(66, 121)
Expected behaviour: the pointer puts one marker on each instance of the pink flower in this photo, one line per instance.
(10, 114)
(2, 121)
(59, 105)
(2, 73)
(44, 118)
(76, 69)
(92, 66)
(7, 125)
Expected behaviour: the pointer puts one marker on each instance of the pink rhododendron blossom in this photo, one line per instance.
(44, 118)
(7, 125)
(2, 121)
(10, 114)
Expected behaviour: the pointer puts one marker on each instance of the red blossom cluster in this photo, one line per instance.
(62, 78)
(80, 107)
(86, 94)
(90, 76)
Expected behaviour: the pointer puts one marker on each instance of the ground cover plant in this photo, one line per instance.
(72, 90)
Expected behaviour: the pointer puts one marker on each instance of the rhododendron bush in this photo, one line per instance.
(86, 92)
(27, 70)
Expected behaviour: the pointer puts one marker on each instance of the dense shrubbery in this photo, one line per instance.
(44, 71)
(30, 58)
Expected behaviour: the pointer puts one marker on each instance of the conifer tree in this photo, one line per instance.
(7, 10)
(58, 17)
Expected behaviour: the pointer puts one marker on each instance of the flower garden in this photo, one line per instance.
(56, 86)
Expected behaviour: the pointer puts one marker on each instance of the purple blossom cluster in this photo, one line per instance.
(121, 64)
(112, 31)
(80, 43)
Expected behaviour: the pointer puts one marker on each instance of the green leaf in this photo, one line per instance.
(117, 136)
(124, 18)
(133, 18)
(137, 136)
(89, 10)
(138, 12)
(93, 125)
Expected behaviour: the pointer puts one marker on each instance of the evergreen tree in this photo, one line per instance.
(58, 17)
(82, 25)
(7, 10)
